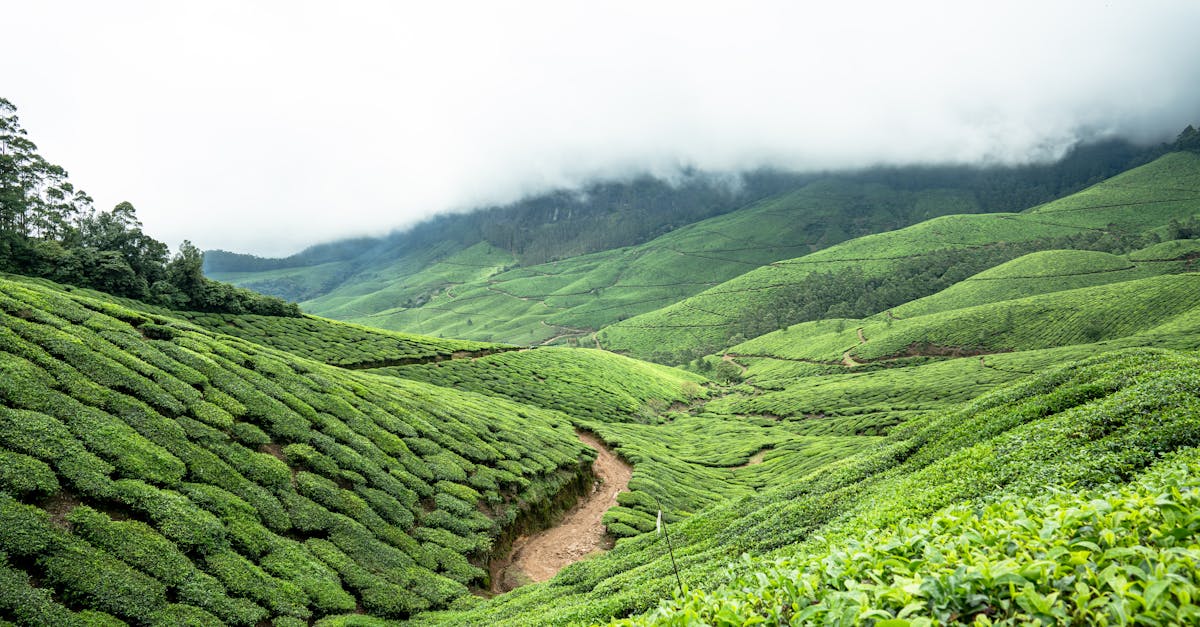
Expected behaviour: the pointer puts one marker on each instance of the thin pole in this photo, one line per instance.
(670, 550)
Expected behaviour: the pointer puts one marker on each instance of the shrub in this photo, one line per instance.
(93, 578)
(24, 475)
(25, 529)
(136, 543)
(243, 578)
(392, 601)
(27, 604)
(176, 615)
(249, 434)
(305, 456)
(175, 516)
(292, 562)
(203, 590)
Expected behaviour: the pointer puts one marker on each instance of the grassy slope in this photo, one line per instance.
(1062, 318)
(337, 343)
(569, 298)
(1043, 272)
(585, 383)
(1141, 199)
(199, 477)
(917, 368)
(1086, 424)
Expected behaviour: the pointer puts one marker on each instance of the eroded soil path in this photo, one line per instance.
(540, 556)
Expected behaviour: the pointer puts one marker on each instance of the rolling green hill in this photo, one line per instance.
(476, 293)
(556, 268)
(984, 418)
(932, 483)
(870, 274)
(164, 474)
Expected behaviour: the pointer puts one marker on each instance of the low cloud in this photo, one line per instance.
(264, 127)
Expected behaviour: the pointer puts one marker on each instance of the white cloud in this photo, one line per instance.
(266, 126)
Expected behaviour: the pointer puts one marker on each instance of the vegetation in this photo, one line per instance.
(871, 274)
(559, 267)
(194, 474)
(586, 384)
(1088, 424)
(986, 418)
(338, 343)
(49, 229)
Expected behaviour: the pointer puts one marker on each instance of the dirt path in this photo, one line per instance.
(754, 460)
(847, 360)
(729, 358)
(540, 556)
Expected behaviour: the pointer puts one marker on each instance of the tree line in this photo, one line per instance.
(50, 229)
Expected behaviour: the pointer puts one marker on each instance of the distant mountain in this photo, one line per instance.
(560, 266)
(1157, 201)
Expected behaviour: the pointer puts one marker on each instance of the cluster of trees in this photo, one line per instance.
(1189, 139)
(50, 229)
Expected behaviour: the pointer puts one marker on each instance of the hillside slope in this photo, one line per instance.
(163, 474)
(477, 294)
(1089, 425)
(870, 274)
(555, 268)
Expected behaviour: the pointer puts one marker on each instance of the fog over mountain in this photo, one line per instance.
(266, 127)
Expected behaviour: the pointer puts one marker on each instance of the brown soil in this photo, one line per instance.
(540, 556)
(59, 505)
(754, 460)
(729, 358)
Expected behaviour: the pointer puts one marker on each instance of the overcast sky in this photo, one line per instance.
(266, 126)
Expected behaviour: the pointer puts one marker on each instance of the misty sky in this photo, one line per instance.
(266, 126)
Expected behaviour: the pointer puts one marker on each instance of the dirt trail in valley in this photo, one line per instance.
(729, 358)
(847, 360)
(754, 460)
(540, 556)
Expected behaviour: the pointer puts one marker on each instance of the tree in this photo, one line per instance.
(186, 270)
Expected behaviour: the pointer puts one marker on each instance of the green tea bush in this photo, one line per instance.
(177, 614)
(90, 577)
(293, 563)
(205, 591)
(24, 476)
(243, 578)
(174, 515)
(134, 542)
(30, 605)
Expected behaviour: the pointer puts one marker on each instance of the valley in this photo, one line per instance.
(849, 399)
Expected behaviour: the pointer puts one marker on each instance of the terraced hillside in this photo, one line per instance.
(555, 268)
(159, 473)
(850, 376)
(339, 344)
(1089, 425)
(871, 274)
(477, 294)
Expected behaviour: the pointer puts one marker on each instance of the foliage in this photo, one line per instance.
(48, 228)
(585, 384)
(145, 478)
(561, 266)
(871, 274)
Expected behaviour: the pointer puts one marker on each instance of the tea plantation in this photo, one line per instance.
(1089, 427)
(870, 274)
(1005, 433)
(158, 473)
